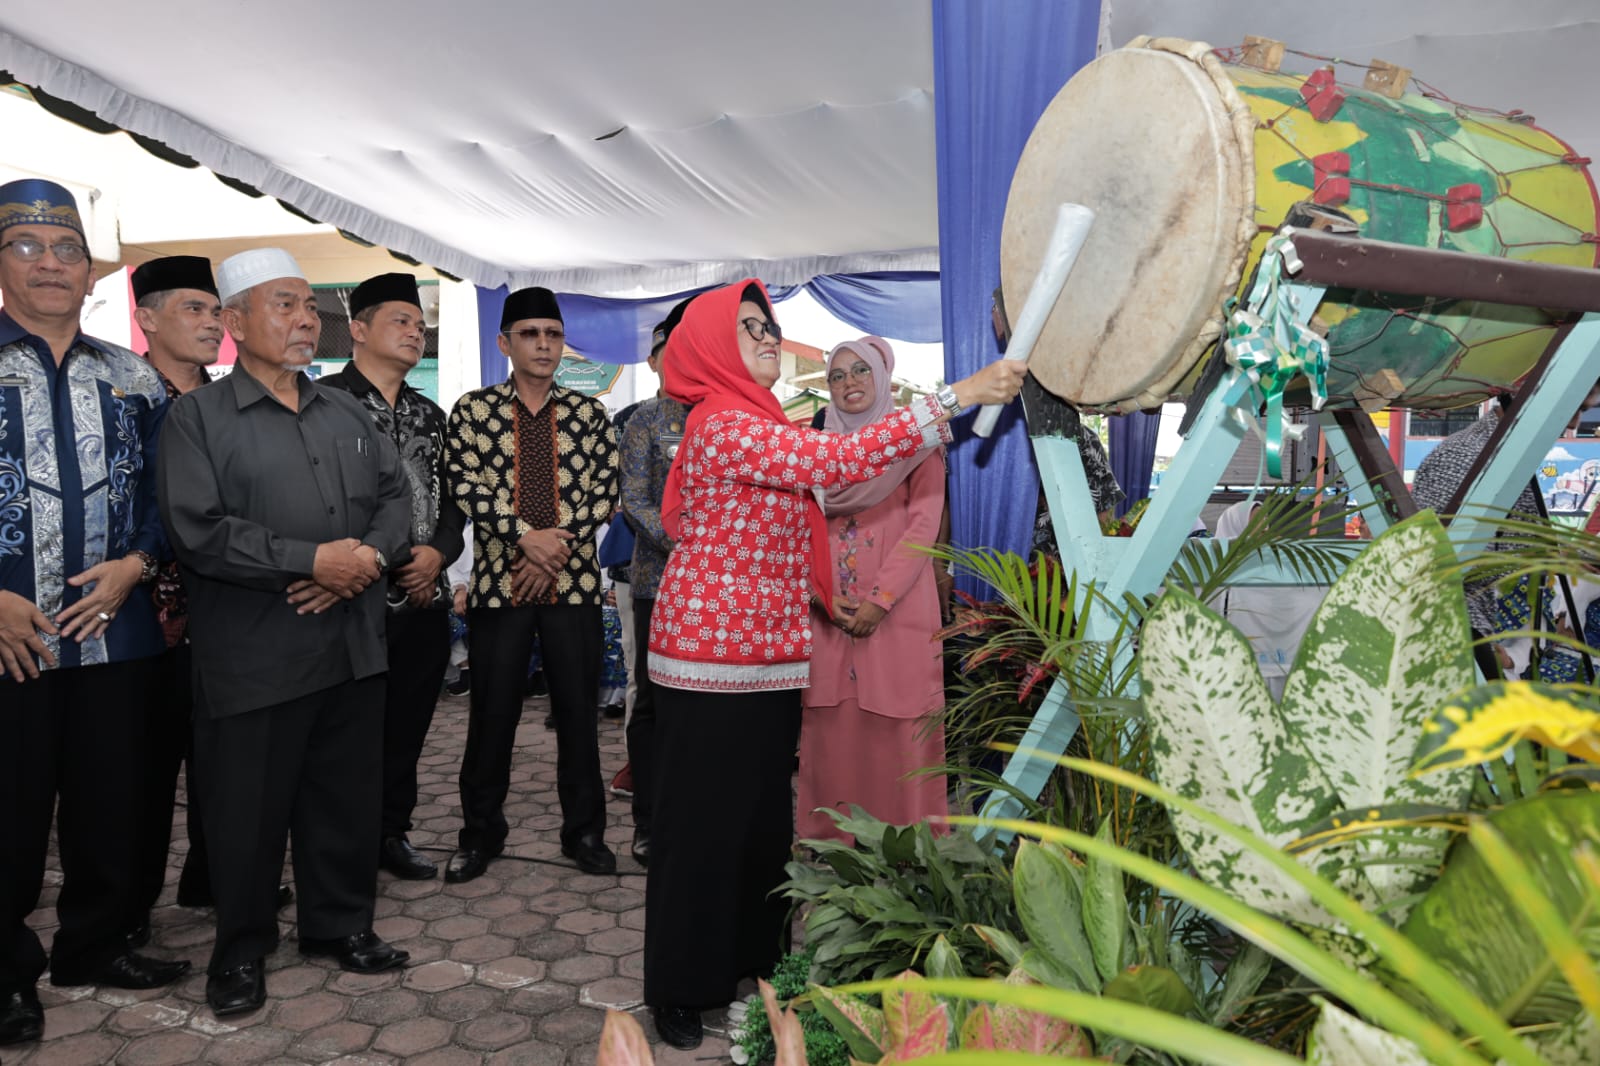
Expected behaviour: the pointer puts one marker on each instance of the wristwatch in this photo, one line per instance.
(947, 399)
(381, 559)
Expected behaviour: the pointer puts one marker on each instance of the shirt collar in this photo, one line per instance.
(247, 390)
(12, 331)
(360, 385)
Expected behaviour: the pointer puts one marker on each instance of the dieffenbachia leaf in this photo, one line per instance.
(1389, 645)
(1217, 740)
(1342, 1039)
(1480, 725)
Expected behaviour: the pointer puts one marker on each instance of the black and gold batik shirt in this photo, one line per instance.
(512, 470)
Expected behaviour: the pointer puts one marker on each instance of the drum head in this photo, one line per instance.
(1156, 140)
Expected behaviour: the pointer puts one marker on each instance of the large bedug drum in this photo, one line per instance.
(1191, 163)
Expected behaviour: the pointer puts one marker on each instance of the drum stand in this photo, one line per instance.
(1139, 564)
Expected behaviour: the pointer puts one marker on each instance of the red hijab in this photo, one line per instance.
(702, 367)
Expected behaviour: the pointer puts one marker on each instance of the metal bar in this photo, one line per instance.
(1377, 463)
(1382, 266)
(1362, 491)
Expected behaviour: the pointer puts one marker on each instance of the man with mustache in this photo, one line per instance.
(79, 533)
(387, 335)
(284, 507)
(176, 306)
(534, 466)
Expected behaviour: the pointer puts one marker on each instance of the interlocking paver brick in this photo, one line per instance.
(163, 1049)
(464, 1004)
(614, 941)
(491, 1032)
(80, 1016)
(414, 1036)
(361, 984)
(581, 969)
(397, 927)
(339, 1038)
(572, 1026)
(496, 906)
(458, 927)
(614, 993)
(447, 1056)
(525, 924)
(584, 922)
(478, 949)
(512, 971)
(261, 1044)
(529, 1053)
(437, 976)
(70, 1051)
(617, 899)
(387, 1007)
(304, 1013)
(559, 902)
(550, 945)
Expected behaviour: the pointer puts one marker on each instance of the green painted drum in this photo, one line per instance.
(1191, 163)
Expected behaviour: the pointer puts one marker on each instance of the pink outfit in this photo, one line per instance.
(865, 721)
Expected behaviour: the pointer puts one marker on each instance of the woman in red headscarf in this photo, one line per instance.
(730, 640)
(876, 669)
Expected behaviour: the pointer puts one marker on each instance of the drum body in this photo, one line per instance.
(1191, 164)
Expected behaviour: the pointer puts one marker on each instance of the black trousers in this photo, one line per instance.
(169, 733)
(724, 825)
(642, 726)
(419, 651)
(309, 769)
(71, 744)
(572, 644)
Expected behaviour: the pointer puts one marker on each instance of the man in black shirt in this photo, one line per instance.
(387, 335)
(284, 507)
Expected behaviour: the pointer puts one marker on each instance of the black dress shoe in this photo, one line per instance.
(285, 896)
(139, 935)
(641, 847)
(461, 685)
(614, 710)
(591, 855)
(239, 990)
(21, 1017)
(679, 1026)
(363, 952)
(468, 864)
(404, 861)
(130, 971)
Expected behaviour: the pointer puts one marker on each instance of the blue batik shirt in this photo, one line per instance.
(77, 481)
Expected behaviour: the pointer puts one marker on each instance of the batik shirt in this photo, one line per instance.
(416, 426)
(649, 444)
(172, 605)
(77, 481)
(1439, 477)
(512, 471)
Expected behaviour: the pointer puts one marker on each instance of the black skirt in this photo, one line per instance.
(723, 830)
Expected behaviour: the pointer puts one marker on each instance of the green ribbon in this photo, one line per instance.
(1269, 345)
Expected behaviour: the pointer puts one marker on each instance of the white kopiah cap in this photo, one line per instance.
(248, 269)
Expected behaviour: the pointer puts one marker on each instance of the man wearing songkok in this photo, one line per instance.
(387, 336)
(534, 466)
(649, 444)
(284, 508)
(79, 533)
(176, 306)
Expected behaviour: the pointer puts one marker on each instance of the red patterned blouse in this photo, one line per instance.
(732, 613)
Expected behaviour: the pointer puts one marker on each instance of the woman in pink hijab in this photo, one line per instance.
(876, 670)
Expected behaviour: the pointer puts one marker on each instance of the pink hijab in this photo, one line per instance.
(853, 499)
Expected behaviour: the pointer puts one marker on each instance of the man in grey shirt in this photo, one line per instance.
(283, 507)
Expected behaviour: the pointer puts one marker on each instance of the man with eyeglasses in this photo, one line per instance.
(79, 533)
(534, 466)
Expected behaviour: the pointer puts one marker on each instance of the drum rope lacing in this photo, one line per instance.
(1270, 346)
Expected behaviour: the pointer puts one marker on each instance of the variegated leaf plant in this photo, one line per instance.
(1389, 645)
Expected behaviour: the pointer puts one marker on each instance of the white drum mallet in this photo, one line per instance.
(1072, 229)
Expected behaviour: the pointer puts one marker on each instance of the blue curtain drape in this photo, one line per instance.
(903, 305)
(995, 68)
(1133, 453)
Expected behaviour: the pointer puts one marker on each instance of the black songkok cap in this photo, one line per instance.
(401, 288)
(173, 272)
(536, 302)
(664, 328)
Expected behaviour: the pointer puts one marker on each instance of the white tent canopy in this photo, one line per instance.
(626, 146)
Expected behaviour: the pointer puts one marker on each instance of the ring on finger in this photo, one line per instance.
(103, 616)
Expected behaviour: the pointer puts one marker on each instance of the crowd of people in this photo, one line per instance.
(249, 578)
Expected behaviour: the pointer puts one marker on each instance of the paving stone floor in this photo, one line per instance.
(516, 967)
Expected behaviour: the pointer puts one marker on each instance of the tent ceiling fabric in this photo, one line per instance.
(1532, 55)
(609, 147)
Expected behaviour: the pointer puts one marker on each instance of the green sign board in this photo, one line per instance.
(590, 378)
